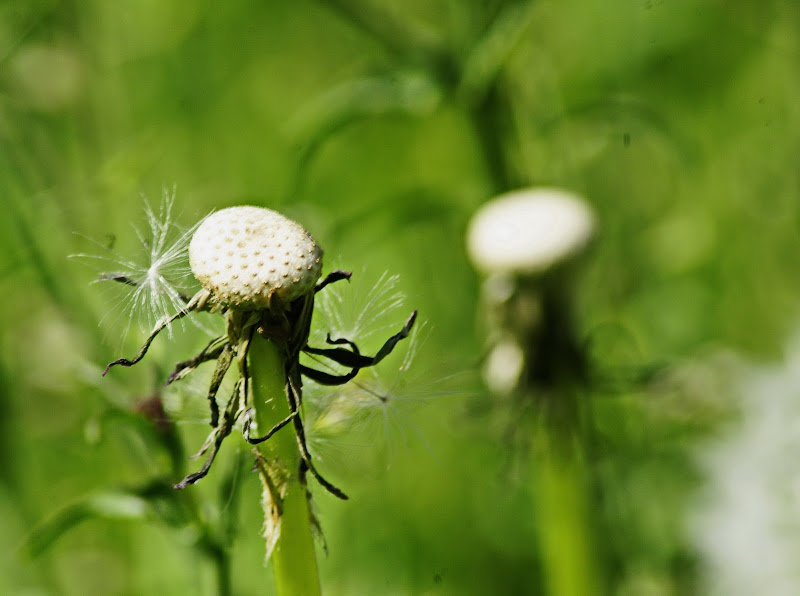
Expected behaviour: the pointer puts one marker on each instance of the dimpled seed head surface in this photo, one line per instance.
(245, 255)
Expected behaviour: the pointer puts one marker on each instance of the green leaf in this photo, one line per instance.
(108, 505)
(488, 56)
(406, 93)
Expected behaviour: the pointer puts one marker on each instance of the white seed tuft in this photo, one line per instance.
(239, 278)
(157, 275)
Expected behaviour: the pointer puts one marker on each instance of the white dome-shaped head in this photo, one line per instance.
(529, 231)
(247, 255)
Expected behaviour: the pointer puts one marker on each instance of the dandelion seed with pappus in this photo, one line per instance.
(345, 312)
(261, 271)
(363, 424)
(157, 279)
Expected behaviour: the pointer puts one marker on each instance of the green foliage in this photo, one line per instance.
(381, 126)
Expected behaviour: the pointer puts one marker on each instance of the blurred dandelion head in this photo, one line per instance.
(529, 231)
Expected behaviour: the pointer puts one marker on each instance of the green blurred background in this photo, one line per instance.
(382, 126)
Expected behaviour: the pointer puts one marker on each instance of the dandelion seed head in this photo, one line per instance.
(233, 236)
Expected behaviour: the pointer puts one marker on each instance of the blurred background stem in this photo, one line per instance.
(219, 556)
(564, 514)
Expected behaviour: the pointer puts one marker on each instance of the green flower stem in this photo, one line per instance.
(565, 524)
(294, 560)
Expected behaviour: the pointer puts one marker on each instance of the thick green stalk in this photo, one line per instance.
(294, 561)
(565, 525)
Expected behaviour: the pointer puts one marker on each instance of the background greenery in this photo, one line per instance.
(382, 126)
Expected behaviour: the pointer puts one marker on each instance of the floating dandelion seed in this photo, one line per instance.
(374, 415)
(157, 278)
(344, 311)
